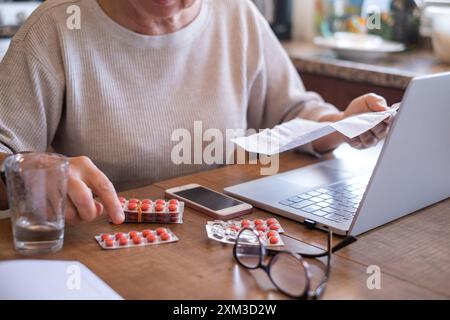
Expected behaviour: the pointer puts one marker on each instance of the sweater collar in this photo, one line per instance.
(179, 38)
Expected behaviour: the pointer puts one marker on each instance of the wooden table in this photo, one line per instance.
(413, 253)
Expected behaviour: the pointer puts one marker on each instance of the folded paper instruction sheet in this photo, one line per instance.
(298, 132)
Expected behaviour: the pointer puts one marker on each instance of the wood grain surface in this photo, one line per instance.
(413, 253)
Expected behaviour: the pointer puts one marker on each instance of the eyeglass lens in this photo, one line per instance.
(286, 270)
(248, 249)
(288, 274)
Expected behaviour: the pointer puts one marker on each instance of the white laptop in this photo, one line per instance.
(412, 172)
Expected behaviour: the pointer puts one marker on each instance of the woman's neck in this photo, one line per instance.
(129, 16)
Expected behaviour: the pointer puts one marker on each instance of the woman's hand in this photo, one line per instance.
(366, 103)
(84, 179)
(369, 103)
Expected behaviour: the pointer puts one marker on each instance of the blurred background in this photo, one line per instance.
(408, 22)
(405, 21)
(341, 47)
(12, 15)
(344, 48)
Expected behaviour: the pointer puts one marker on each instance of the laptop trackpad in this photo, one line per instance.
(315, 176)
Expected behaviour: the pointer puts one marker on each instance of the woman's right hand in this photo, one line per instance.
(85, 179)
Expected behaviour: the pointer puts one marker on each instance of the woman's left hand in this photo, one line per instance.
(369, 103)
(366, 103)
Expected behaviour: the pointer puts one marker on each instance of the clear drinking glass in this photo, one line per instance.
(37, 191)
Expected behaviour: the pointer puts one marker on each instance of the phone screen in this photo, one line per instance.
(207, 198)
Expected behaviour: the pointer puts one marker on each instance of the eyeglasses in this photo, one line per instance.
(288, 271)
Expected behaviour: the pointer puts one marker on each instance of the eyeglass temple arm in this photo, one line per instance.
(318, 292)
(344, 243)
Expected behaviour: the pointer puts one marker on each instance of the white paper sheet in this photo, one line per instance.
(298, 132)
(51, 280)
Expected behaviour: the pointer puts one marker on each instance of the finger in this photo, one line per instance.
(389, 120)
(71, 214)
(380, 131)
(375, 103)
(105, 190)
(55, 199)
(82, 199)
(356, 143)
(347, 139)
(368, 139)
(100, 208)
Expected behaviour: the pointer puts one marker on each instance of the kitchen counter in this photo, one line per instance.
(394, 71)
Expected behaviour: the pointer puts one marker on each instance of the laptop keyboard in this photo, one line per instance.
(337, 202)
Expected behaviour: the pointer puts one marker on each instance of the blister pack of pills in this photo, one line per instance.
(226, 231)
(121, 240)
(152, 211)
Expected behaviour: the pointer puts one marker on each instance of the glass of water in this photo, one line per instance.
(37, 192)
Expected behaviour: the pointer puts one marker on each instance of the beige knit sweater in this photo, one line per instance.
(117, 96)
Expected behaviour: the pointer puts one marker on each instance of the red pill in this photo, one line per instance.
(159, 207)
(173, 207)
(160, 201)
(245, 225)
(258, 222)
(146, 201)
(133, 201)
(165, 236)
(105, 237)
(120, 235)
(160, 231)
(137, 240)
(133, 234)
(145, 206)
(173, 201)
(109, 243)
(245, 221)
(122, 199)
(261, 228)
(145, 233)
(273, 240)
(271, 221)
(272, 233)
(151, 238)
(132, 206)
(275, 227)
(123, 241)
(235, 228)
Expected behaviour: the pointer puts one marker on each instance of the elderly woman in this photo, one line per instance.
(109, 93)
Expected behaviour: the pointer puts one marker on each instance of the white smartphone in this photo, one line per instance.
(210, 202)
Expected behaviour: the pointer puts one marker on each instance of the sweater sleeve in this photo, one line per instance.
(31, 102)
(277, 90)
(277, 93)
